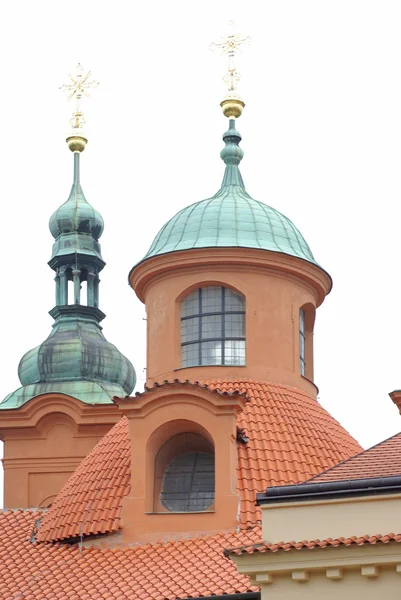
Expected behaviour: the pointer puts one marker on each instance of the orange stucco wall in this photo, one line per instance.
(44, 442)
(275, 288)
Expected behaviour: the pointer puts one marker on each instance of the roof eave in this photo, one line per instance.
(305, 492)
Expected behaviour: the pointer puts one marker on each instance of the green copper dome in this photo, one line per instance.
(231, 218)
(76, 225)
(75, 351)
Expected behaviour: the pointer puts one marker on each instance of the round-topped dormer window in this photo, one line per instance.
(188, 483)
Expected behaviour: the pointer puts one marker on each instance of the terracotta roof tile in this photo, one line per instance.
(329, 542)
(90, 502)
(291, 437)
(169, 571)
(381, 460)
(140, 573)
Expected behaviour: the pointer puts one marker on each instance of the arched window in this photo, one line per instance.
(184, 474)
(188, 483)
(302, 345)
(213, 327)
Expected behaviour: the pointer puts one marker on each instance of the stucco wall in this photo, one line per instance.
(352, 586)
(338, 518)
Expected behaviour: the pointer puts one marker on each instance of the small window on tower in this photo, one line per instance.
(213, 327)
(302, 344)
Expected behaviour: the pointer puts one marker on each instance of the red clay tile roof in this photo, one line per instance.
(90, 502)
(329, 542)
(291, 438)
(382, 460)
(179, 569)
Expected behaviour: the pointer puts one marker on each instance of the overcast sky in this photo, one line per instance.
(322, 139)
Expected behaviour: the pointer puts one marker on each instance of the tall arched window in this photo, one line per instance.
(213, 327)
(302, 345)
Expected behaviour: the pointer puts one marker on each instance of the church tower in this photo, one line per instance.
(64, 405)
(231, 289)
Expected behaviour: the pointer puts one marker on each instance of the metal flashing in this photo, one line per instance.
(331, 489)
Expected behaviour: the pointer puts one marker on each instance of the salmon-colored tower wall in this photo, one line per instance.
(275, 286)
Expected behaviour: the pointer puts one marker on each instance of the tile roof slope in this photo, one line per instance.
(329, 542)
(291, 438)
(90, 501)
(170, 571)
(381, 460)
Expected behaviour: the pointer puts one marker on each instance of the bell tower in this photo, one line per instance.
(64, 405)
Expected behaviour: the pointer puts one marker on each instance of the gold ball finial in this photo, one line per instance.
(232, 107)
(76, 143)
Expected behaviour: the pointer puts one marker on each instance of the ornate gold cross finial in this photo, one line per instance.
(78, 87)
(230, 46)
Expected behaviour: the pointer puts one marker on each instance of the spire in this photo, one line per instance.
(232, 155)
(232, 106)
(76, 359)
(76, 225)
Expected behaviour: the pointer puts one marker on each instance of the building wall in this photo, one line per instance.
(353, 586)
(44, 442)
(331, 519)
(347, 570)
(275, 288)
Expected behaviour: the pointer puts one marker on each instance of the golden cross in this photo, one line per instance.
(230, 46)
(78, 88)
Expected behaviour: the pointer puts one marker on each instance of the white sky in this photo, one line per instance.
(322, 140)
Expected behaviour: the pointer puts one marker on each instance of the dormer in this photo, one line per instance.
(184, 448)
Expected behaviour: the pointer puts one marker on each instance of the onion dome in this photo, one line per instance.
(76, 224)
(76, 215)
(231, 218)
(76, 352)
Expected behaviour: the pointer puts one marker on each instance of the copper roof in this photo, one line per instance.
(291, 437)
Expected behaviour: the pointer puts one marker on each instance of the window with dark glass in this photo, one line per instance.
(213, 327)
(188, 483)
(302, 341)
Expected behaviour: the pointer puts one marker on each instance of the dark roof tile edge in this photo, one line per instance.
(312, 544)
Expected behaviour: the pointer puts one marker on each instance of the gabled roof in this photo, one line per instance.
(381, 460)
(179, 569)
(290, 437)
